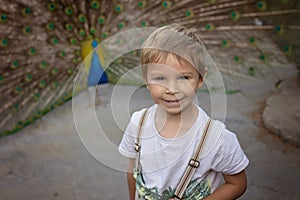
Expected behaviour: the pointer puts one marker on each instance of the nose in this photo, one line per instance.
(171, 87)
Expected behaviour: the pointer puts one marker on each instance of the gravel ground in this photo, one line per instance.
(50, 160)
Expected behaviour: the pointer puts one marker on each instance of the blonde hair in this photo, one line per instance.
(177, 40)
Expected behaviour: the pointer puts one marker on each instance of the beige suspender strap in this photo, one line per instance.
(192, 166)
(137, 145)
(193, 163)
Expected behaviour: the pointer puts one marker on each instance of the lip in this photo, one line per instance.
(172, 102)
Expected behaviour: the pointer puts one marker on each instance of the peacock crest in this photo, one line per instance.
(43, 43)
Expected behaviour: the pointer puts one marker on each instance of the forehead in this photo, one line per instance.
(171, 63)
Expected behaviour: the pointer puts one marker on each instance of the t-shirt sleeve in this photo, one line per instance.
(229, 158)
(126, 147)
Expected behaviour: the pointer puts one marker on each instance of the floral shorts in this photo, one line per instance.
(195, 191)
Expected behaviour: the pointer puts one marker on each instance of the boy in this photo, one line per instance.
(174, 64)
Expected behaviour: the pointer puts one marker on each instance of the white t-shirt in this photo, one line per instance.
(164, 160)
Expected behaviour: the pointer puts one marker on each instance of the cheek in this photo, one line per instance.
(189, 88)
(155, 89)
(192, 93)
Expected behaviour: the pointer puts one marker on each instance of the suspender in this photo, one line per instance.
(137, 145)
(194, 162)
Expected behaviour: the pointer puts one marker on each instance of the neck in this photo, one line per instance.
(174, 125)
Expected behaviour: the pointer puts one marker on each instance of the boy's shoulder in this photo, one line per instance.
(220, 138)
(216, 130)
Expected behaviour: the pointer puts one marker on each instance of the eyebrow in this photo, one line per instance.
(156, 74)
(161, 74)
(186, 73)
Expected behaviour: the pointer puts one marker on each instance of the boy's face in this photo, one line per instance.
(173, 85)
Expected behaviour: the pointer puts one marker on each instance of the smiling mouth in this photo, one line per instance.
(172, 101)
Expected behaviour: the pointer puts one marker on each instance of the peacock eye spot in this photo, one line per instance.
(50, 26)
(121, 25)
(236, 58)
(28, 78)
(37, 95)
(144, 23)
(69, 11)
(263, 57)
(16, 106)
(43, 64)
(4, 42)
(42, 83)
(188, 13)
(234, 15)
(209, 26)
(54, 71)
(61, 54)
(105, 35)
(252, 39)
(141, 4)
(15, 64)
(287, 48)
(54, 40)
(27, 29)
(92, 30)
(94, 43)
(73, 41)
(82, 32)
(95, 5)
(51, 7)
(101, 20)
(81, 17)
(27, 11)
(278, 28)
(119, 8)
(32, 51)
(3, 18)
(166, 4)
(261, 5)
(18, 89)
(251, 71)
(70, 27)
(225, 42)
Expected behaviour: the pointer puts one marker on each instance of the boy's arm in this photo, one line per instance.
(130, 179)
(234, 186)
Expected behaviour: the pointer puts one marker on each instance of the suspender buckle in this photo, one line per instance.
(176, 197)
(137, 147)
(194, 163)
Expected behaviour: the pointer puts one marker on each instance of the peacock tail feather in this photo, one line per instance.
(44, 43)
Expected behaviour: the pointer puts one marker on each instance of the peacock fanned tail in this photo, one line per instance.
(43, 43)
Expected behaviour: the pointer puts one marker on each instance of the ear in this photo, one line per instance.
(145, 81)
(147, 85)
(201, 81)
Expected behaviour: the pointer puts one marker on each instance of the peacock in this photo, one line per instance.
(43, 43)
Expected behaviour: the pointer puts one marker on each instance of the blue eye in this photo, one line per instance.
(184, 77)
(158, 78)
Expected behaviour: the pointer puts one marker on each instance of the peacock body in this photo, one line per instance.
(44, 43)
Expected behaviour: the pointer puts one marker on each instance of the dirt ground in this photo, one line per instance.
(51, 159)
